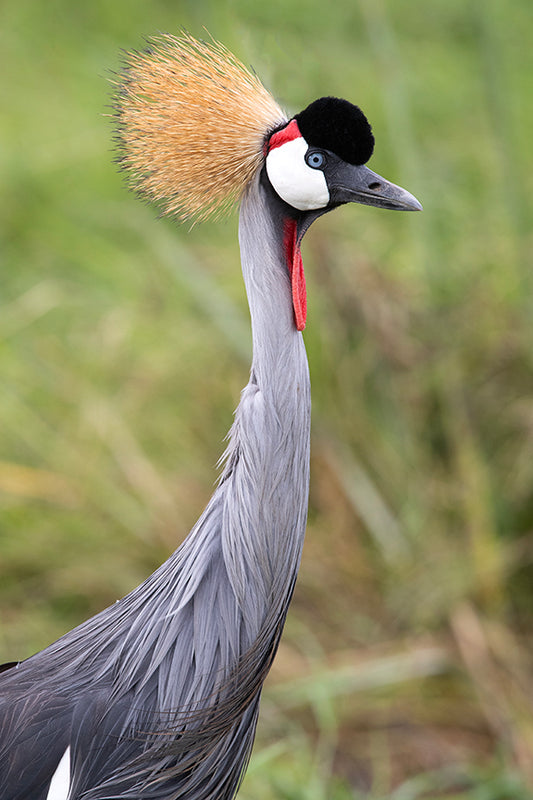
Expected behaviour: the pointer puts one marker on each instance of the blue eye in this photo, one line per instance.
(315, 159)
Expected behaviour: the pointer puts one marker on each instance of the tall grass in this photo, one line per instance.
(406, 668)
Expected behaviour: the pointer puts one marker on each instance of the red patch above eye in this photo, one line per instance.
(286, 134)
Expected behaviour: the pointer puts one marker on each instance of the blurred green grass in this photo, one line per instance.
(405, 671)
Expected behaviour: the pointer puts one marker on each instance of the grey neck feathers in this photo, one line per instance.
(279, 358)
(271, 429)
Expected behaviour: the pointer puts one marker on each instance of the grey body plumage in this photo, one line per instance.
(174, 669)
(158, 695)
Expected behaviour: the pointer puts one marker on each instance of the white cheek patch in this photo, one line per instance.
(301, 186)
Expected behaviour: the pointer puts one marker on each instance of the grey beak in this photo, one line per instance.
(358, 184)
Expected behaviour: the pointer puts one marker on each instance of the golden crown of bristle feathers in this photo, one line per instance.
(192, 122)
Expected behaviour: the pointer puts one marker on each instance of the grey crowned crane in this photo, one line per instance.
(158, 695)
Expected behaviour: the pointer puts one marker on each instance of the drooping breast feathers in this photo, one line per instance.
(192, 122)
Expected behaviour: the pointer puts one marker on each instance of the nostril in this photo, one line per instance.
(374, 186)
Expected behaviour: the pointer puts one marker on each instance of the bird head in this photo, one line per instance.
(317, 161)
(194, 127)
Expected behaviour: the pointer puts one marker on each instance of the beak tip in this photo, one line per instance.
(408, 201)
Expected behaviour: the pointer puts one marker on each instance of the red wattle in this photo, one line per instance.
(296, 272)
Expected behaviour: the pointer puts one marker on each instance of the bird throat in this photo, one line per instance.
(293, 255)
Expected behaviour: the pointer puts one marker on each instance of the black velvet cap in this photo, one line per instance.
(339, 126)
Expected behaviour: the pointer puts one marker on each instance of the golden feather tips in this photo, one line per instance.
(192, 122)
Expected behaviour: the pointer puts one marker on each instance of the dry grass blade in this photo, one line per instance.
(25, 481)
(192, 121)
(501, 675)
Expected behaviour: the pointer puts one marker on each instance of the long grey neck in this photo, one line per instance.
(279, 357)
(279, 364)
(268, 453)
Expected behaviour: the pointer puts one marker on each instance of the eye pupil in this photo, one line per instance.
(315, 159)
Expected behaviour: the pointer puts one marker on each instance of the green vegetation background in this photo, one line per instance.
(406, 668)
